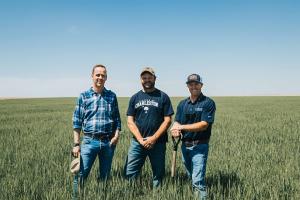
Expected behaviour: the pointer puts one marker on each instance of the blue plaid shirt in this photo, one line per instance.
(97, 113)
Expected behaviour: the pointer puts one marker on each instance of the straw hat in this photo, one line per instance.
(75, 165)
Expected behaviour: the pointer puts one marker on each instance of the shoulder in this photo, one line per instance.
(209, 101)
(86, 94)
(109, 93)
(162, 94)
(137, 95)
(182, 102)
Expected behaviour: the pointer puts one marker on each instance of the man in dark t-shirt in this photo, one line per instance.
(193, 122)
(148, 118)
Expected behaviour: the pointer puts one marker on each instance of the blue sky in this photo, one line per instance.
(239, 47)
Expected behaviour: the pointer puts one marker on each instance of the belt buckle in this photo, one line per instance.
(189, 144)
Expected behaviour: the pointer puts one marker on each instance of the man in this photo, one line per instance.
(97, 116)
(148, 118)
(193, 122)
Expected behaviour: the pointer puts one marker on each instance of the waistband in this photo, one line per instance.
(190, 143)
(99, 136)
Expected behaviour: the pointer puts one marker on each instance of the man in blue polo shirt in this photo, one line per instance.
(97, 116)
(193, 122)
(148, 118)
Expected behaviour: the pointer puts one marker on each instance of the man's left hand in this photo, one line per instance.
(115, 139)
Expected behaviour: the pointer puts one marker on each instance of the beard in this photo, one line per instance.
(148, 85)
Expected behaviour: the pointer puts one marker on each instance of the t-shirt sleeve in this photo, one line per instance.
(168, 109)
(208, 114)
(131, 110)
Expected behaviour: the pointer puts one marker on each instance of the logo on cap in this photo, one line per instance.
(194, 78)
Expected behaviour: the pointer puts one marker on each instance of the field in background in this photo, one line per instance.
(254, 153)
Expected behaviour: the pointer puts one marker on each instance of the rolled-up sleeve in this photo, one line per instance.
(78, 114)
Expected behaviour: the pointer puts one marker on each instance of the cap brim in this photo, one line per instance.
(146, 71)
(75, 166)
(193, 81)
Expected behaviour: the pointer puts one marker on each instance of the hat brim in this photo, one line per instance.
(149, 72)
(75, 166)
(188, 82)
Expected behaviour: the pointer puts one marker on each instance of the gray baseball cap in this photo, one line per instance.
(149, 70)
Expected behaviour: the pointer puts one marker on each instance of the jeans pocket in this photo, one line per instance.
(86, 140)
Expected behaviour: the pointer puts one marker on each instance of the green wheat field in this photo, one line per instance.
(254, 153)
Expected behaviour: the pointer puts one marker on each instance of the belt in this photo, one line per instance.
(190, 143)
(98, 136)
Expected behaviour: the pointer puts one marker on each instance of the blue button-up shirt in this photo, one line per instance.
(97, 113)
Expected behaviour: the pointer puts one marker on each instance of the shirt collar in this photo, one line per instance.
(200, 97)
(104, 91)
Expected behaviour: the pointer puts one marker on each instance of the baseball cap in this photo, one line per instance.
(149, 70)
(194, 78)
(75, 165)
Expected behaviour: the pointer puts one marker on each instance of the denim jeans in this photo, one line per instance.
(90, 149)
(136, 158)
(194, 159)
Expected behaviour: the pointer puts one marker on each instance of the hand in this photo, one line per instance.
(75, 151)
(150, 142)
(176, 130)
(176, 133)
(115, 139)
(142, 141)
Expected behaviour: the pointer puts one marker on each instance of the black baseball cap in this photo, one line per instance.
(194, 78)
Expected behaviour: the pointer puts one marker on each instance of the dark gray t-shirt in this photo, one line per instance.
(149, 110)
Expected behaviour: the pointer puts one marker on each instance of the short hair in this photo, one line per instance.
(98, 65)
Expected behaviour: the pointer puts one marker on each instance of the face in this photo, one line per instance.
(148, 81)
(99, 77)
(195, 88)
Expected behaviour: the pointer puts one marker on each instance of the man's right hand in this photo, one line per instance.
(176, 133)
(142, 142)
(75, 151)
(176, 130)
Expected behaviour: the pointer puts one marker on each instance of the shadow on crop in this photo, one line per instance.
(225, 182)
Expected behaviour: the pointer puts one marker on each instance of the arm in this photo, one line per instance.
(117, 121)
(177, 128)
(78, 115)
(76, 149)
(134, 130)
(115, 139)
(162, 129)
(195, 127)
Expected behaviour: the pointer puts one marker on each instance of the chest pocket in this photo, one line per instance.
(106, 106)
(193, 114)
(98, 106)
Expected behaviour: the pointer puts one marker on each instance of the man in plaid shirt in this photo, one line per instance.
(97, 116)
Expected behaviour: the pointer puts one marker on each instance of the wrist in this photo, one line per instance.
(181, 127)
(77, 144)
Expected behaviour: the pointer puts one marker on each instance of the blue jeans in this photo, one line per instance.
(194, 159)
(90, 149)
(136, 158)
